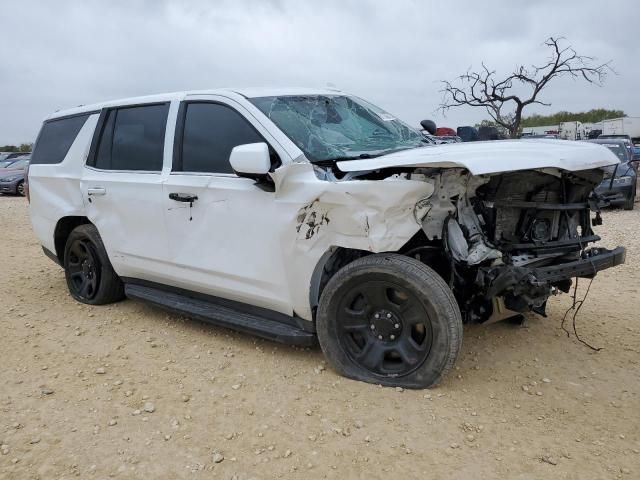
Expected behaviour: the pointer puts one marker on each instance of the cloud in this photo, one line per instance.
(63, 53)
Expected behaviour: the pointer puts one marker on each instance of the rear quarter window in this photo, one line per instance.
(55, 138)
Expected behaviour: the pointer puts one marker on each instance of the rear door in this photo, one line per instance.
(226, 243)
(122, 187)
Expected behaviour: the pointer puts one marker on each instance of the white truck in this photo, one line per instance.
(541, 130)
(571, 131)
(623, 126)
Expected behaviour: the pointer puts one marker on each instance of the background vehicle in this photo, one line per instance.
(12, 177)
(305, 215)
(629, 126)
(621, 138)
(542, 130)
(571, 131)
(618, 187)
(490, 133)
(467, 133)
(540, 136)
(6, 163)
(4, 156)
(445, 131)
(441, 140)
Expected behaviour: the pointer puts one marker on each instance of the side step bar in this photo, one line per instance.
(222, 315)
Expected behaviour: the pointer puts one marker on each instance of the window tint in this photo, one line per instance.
(55, 139)
(210, 133)
(133, 139)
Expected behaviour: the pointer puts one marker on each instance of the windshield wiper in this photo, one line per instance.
(351, 157)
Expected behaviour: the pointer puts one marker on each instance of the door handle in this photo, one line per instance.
(183, 197)
(95, 191)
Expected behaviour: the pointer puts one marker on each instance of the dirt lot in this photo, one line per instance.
(76, 383)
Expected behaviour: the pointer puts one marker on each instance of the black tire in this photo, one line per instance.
(416, 336)
(630, 202)
(90, 276)
(20, 189)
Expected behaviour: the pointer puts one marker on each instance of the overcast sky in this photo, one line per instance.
(58, 54)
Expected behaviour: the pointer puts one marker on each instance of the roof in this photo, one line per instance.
(601, 141)
(165, 97)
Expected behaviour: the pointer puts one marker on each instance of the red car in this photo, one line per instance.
(445, 132)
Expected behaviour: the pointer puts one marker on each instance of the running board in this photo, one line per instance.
(223, 316)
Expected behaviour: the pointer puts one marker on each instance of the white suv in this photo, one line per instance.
(310, 215)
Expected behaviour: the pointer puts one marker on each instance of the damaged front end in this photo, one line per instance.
(511, 240)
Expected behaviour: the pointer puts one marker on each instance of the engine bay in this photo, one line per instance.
(511, 240)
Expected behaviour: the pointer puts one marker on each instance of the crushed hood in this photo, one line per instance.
(496, 156)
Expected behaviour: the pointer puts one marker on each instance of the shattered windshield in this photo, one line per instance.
(338, 127)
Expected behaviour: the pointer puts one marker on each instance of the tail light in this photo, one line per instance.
(26, 183)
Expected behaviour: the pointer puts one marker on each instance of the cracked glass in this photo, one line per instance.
(338, 127)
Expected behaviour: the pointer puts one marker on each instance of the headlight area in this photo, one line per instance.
(622, 181)
(10, 179)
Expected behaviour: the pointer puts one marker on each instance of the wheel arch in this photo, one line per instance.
(331, 261)
(337, 257)
(63, 228)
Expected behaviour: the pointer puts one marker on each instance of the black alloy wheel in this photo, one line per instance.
(384, 327)
(90, 276)
(391, 320)
(84, 269)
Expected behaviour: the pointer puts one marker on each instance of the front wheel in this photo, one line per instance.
(391, 320)
(90, 276)
(629, 203)
(20, 189)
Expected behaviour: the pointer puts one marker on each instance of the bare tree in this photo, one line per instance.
(502, 98)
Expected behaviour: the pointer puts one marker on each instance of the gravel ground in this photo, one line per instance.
(128, 391)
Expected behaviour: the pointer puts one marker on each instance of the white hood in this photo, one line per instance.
(494, 156)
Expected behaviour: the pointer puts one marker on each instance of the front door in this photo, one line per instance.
(122, 188)
(225, 243)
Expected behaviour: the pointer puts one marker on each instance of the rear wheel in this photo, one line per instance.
(391, 320)
(90, 276)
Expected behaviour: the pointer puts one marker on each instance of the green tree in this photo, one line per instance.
(592, 116)
(25, 147)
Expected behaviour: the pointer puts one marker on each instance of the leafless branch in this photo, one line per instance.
(481, 89)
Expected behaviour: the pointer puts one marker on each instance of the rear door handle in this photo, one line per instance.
(95, 191)
(183, 197)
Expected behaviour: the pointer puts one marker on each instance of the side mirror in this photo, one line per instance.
(429, 126)
(251, 159)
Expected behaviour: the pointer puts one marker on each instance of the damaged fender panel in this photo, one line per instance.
(370, 215)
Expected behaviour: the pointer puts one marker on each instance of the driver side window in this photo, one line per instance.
(209, 132)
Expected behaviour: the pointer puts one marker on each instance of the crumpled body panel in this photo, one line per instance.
(316, 215)
(482, 158)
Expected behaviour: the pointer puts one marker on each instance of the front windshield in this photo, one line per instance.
(333, 127)
(619, 150)
(19, 164)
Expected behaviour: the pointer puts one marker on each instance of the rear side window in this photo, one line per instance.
(55, 139)
(132, 138)
(210, 132)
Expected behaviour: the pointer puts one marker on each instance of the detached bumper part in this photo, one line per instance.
(598, 259)
(525, 288)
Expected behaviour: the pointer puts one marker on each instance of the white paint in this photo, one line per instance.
(497, 156)
(252, 158)
(240, 242)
